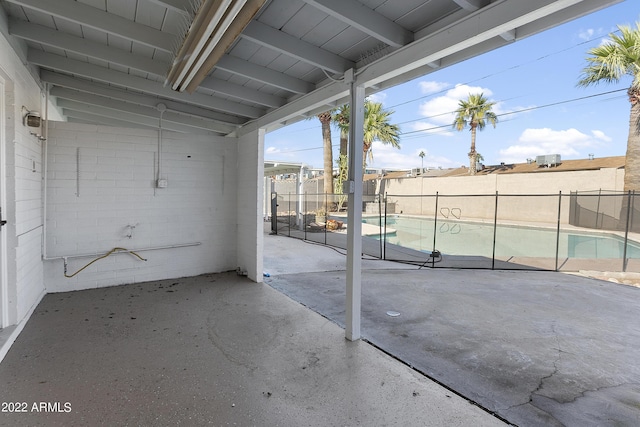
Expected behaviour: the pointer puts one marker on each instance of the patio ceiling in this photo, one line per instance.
(278, 61)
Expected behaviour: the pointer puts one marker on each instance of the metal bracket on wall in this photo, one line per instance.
(78, 172)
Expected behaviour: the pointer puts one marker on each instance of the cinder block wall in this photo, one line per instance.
(101, 194)
(250, 174)
(536, 209)
(28, 216)
(21, 181)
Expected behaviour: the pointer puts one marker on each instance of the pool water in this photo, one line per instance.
(466, 238)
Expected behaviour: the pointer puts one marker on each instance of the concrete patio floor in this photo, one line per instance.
(209, 350)
(537, 348)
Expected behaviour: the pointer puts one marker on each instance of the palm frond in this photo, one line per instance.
(613, 59)
(475, 112)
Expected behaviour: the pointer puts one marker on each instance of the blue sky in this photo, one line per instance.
(529, 74)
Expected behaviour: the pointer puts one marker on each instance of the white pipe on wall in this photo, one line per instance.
(155, 248)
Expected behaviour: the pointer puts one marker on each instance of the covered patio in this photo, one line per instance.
(142, 123)
(136, 129)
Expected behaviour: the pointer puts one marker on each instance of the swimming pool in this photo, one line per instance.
(472, 238)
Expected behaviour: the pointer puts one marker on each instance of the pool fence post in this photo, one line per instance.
(384, 233)
(386, 205)
(380, 234)
(495, 226)
(598, 207)
(289, 214)
(326, 215)
(435, 229)
(300, 202)
(304, 215)
(274, 212)
(626, 231)
(558, 229)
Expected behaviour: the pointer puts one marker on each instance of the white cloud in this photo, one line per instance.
(593, 33)
(273, 153)
(536, 142)
(586, 34)
(432, 87)
(601, 136)
(378, 97)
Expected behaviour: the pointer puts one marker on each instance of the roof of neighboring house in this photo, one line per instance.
(616, 162)
(432, 173)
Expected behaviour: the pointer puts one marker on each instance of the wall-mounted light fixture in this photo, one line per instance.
(31, 118)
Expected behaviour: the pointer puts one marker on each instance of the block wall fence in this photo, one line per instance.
(402, 193)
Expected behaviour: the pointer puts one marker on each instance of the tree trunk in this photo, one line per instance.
(325, 120)
(365, 152)
(344, 146)
(472, 151)
(344, 142)
(632, 161)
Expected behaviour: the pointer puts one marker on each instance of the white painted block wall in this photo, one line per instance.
(100, 191)
(22, 181)
(250, 201)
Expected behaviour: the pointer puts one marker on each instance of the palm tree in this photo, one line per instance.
(325, 120)
(609, 62)
(422, 154)
(474, 112)
(378, 128)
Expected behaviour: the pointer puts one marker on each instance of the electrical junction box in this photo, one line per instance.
(163, 183)
(348, 187)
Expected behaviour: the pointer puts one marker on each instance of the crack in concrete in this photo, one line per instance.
(595, 390)
(555, 364)
(544, 378)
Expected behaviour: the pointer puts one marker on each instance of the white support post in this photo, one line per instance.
(354, 218)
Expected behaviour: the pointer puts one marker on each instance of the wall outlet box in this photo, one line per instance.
(163, 183)
(348, 187)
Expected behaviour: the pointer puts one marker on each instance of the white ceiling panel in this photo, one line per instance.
(397, 10)
(426, 13)
(126, 9)
(149, 14)
(98, 4)
(265, 57)
(245, 49)
(279, 12)
(303, 22)
(92, 34)
(38, 17)
(326, 30)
